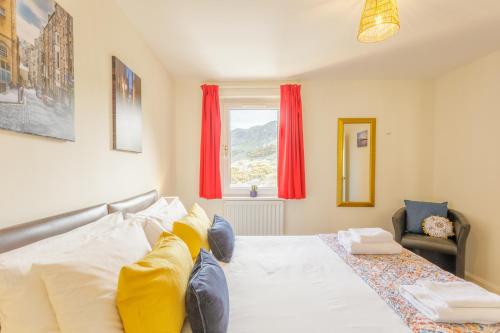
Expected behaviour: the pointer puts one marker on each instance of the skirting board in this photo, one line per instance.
(482, 282)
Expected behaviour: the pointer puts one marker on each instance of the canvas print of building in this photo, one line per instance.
(362, 139)
(127, 114)
(36, 68)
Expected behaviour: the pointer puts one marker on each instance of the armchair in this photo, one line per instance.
(449, 254)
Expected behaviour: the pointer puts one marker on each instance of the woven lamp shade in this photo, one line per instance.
(379, 21)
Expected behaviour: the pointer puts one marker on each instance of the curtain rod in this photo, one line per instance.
(249, 87)
(250, 97)
(253, 86)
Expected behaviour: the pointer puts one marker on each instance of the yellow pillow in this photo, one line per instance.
(193, 229)
(151, 292)
(197, 211)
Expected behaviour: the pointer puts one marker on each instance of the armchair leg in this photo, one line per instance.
(460, 266)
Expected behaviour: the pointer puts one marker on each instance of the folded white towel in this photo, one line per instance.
(461, 294)
(370, 235)
(437, 310)
(354, 247)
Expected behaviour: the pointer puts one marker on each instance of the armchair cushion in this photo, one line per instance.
(423, 242)
(417, 211)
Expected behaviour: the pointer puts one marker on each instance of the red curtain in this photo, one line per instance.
(210, 187)
(291, 168)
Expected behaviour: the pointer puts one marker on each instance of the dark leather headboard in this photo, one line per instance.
(134, 204)
(27, 233)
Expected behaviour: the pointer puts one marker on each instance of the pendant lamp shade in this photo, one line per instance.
(379, 21)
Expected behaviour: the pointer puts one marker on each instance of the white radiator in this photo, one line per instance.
(255, 217)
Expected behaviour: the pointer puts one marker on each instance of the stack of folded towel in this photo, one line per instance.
(368, 241)
(453, 302)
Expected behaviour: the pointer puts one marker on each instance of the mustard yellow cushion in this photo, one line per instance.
(193, 229)
(151, 292)
(197, 211)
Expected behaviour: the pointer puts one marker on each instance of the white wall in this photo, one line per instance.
(467, 158)
(41, 177)
(403, 113)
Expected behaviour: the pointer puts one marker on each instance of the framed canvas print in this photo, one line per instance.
(36, 69)
(362, 139)
(127, 116)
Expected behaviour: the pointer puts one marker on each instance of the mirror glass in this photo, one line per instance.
(356, 154)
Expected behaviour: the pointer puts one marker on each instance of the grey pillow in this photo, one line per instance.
(207, 296)
(221, 239)
(418, 211)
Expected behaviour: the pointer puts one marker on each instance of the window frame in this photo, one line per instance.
(225, 159)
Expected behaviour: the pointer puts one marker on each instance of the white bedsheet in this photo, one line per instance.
(298, 284)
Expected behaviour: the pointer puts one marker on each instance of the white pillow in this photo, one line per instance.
(177, 210)
(158, 207)
(163, 213)
(157, 212)
(152, 229)
(82, 289)
(22, 292)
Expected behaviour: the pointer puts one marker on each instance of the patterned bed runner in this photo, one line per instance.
(385, 273)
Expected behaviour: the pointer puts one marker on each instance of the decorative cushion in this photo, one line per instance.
(437, 226)
(151, 292)
(197, 211)
(221, 239)
(417, 211)
(193, 229)
(207, 296)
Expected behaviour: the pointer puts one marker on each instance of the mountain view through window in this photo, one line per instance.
(254, 147)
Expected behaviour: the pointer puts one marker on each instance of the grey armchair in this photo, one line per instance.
(449, 254)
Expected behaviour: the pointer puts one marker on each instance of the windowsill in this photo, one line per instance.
(261, 198)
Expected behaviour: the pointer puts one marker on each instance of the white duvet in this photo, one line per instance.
(298, 284)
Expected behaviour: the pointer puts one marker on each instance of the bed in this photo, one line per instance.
(290, 283)
(298, 284)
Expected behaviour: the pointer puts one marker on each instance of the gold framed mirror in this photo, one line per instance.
(356, 162)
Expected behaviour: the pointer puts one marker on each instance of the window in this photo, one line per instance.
(3, 51)
(250, 149)
(2, 11)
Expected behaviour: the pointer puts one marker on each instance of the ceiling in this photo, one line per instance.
(279, 39)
